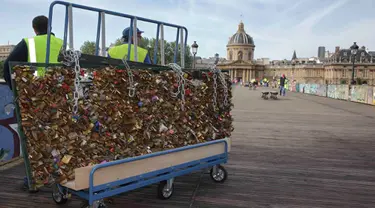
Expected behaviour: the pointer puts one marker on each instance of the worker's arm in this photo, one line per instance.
(20, 54)
(147, 59)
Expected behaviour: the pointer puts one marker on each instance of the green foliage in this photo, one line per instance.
(169, 47)
(88, 47)
(117, 42)
(343, 82)
(359, 81)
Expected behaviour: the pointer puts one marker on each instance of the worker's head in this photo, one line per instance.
(284, 75)
(125, 35)
(40, 24)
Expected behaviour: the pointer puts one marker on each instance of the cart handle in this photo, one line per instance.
(101, 14)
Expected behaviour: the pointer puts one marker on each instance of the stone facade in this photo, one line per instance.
(5, 51)
(301, 73)
(334, 68)
(323, 73)
(205, 63)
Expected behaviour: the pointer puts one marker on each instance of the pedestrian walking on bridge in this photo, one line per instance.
(282, 85)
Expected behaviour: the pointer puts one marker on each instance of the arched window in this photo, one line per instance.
(239, 55)
(230, 55)
(249, 56)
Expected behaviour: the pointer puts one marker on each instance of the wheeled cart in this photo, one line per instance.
(94, 183)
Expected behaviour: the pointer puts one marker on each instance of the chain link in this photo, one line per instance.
(72, 58)
(131, 87)
(225, 86)
(215, 90)
(217, 72)
(180, 82)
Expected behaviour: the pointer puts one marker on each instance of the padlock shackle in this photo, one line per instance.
(68, 27)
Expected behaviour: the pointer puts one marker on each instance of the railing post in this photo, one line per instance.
(98, 34)
(129, 40)
(135, 39)
(156, 45)
(176, 47)
(66, 27)
(182, 46)
(70, 18)
(162, 51)
(104, 51)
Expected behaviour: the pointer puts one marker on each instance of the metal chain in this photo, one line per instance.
(131, 87)
(180, 82)
(213, 70)
(215, 90)
(225, 86)
(216, 72)
(72, 57)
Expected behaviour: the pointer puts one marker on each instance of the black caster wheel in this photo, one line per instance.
(25, 186)
(220, 176)
(57, 196)
(97, 204)
(163, 191)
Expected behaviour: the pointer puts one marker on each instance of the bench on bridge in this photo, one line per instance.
(273, 94)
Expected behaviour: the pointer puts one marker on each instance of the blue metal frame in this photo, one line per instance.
(131, 17)
(95, 193)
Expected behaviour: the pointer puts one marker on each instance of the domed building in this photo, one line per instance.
(240, 57)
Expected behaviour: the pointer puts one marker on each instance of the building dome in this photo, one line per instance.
(240, 37)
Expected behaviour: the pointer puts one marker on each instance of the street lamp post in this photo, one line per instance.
(194, 48)
(354, 50)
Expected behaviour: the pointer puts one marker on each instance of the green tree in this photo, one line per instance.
(88, 47)
(359, 81)
(169, 50)
(117, 42)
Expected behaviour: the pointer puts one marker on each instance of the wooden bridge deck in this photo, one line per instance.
(299, 151)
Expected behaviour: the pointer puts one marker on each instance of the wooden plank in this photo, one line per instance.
(138, 167)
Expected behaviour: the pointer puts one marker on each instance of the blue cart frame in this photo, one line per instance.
(165, 176)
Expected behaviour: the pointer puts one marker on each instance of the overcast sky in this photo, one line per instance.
(277, 26)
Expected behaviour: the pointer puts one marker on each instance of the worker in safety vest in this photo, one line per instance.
(121, 51)
(286, 84)
(33, 49)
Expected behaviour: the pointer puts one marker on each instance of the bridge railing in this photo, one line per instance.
(68, 31)
(356, 93)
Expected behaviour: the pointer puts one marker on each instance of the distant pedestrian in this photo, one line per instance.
(282, 85)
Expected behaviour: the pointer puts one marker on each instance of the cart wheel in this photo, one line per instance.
(220, 176)
(57, 196)
(96, 204)
(163, 191)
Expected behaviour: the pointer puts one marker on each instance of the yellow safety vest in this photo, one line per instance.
(37, 49)
(121, 51)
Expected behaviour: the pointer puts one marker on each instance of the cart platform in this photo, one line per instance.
(94, 183)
